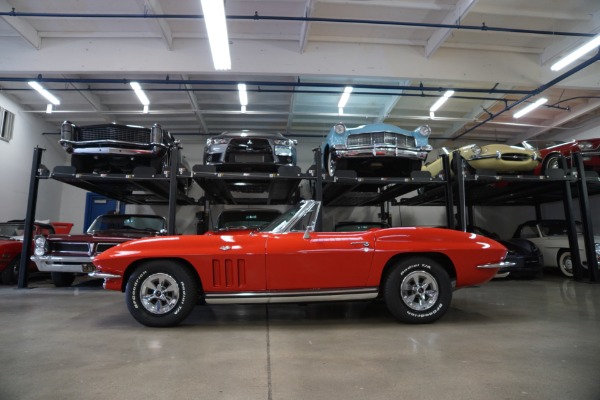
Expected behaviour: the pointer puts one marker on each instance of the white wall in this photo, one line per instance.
(16, 158)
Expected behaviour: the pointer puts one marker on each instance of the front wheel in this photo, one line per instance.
(417, 290)
(331, 163)
(160, 293)
(551, 162)
(62, 279)
(565, 263)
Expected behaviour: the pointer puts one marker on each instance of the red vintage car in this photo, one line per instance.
(11, 245)
(414, 270)
(552, 150)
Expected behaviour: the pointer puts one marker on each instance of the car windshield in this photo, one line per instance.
(557, 228)
(540, 144)
(232, 219)
(9, 230)
(127, 222)
(297, 218)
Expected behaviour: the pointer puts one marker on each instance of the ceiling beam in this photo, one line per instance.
(22, 27)
(153, 7)
(195, 106)
(308, 12)
(414, 5)
(454, 17)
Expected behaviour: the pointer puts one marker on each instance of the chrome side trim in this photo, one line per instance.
(502, 264)
(292, 296)
(98, 274)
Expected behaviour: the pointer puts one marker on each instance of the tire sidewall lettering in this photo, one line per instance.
(134, 289)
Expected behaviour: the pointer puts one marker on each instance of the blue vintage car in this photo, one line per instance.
(375, 149)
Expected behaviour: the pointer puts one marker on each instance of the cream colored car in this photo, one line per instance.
(501, 158)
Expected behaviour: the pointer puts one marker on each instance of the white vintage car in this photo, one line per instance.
(551, 238)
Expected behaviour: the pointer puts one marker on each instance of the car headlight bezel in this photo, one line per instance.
(476, 150)
(424, 130)
(339, 128)
(40, 245)
(212, 141)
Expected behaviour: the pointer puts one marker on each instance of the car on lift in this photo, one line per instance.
(381, 150)
(11, 246)
(413, 269)
(66, 256)
(248, 151)
(550, 236)
(116, 148)
(496, 157)
(526, 256)
(552, 150)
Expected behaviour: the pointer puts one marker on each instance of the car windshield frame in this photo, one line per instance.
(120, 222)
(290, 218)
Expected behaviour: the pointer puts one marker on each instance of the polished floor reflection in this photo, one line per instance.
(512, 339)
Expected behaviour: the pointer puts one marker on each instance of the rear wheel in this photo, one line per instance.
(331, 165)
(417, 290)
(565, 263)
(551, 162)
(160, 293)
(11, 272)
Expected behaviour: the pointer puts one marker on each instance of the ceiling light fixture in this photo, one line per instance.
(530, 108)
(141, 95)
(243, 110)
(49, 96)
(48, 108)
(441, 101)
(216, 28)
(577, 53)
(345, 96)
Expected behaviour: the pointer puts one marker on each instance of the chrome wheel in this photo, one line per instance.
(419, 290)
(565, 263)
(159, 293)
(331, 163)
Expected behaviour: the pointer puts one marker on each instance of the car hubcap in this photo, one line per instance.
(331, 164)
(159, 293)
(419, 290)
(568, 265)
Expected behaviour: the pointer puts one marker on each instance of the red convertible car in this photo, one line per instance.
(414, 270)
(551, 150)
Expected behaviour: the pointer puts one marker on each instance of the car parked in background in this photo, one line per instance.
(414, 270)
(115, 148)
(66, 256)
(375, 149)
(551, 151)
(248, 151)
(234, 219)
(352, 226)
(497, 157)
(11, 246)
(526, 256)
(550, 236)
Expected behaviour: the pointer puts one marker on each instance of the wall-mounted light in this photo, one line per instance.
(530, 108)
(441, 101)
(49, 96)
(216, 28)
(577, 53)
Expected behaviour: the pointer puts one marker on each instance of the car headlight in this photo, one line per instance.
(283, 142)
(476, 150)
(425, 130)
(585, 145)
(340, 128)
(211, 141)
(41, 245)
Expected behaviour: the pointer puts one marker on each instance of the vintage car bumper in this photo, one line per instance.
(130, 150)
(503, 264)
(342, 151)
(63, 264)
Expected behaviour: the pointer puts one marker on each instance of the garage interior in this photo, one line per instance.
(511, 338)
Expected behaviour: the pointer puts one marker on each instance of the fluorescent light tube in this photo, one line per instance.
(243, 109)
(146, 109)
(340, 111)
(530, 108)
(140, 93)
(44, 93)
(216, 28)
(345, 96)
(441, 100)
(577, 53)
(48, 108)
(243, 94)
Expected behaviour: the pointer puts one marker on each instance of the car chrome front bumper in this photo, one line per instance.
(380, 151)
(63, 264)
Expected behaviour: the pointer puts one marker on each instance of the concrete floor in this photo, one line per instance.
(532, 339)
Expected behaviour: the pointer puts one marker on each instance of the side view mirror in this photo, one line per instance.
(307, 232)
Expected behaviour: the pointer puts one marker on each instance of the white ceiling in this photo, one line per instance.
(297, 62)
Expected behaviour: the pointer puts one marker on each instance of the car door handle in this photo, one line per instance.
(365, 244)
(225, 248)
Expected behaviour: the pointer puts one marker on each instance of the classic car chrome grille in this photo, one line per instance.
(113, 132)
(69, 247)
(100, 247)
(375, 138)
(515, 157)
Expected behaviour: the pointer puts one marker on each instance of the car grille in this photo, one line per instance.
(70, 247)
(113, 132)
(515, 157)
(246, 150)
(381, 138)
(100, 247)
